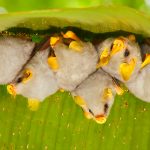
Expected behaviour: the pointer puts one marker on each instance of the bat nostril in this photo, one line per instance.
(100, 118)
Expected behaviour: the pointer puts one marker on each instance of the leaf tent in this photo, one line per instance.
(59, 123)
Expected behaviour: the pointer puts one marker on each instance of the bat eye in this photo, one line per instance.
(91, 112)
(126, 53)
(27, 75)
(106, 108)
(111, 47)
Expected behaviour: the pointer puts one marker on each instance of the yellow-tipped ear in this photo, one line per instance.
(33, 104)
(11, 89)
(53, 63)
(118, 45)
(54, 40)
(119, 90)
(126, 69)
(104, 58)
(70, 35)
(76, 46)
(79, 100)
(101, 119)
(146, 61)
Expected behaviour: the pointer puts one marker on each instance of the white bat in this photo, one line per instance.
(137, 73)
(96, 96)
(36, 81)
(76, 62)
(14, 53)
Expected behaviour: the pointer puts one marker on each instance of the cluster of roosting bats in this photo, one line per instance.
(91, 72)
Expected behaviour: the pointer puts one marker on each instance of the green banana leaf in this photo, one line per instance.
(59, 123)
(37, 5)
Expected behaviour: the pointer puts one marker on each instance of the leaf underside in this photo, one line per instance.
(97, 19)
(59, 123)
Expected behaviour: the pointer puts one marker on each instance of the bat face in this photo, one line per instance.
(120, 57)
(14, 53)
(36, 81)
(96, 96)
(76, 62)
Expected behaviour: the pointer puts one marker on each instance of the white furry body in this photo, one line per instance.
(14, 53)
(92, 90)
(140, 85)
(74, 66)
(43, 82)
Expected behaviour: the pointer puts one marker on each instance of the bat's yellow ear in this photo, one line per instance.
(146, 61)
(79, 100)
(53, 63)
(70, 35)
(118, 45)
(11, 89)
(103, 58)
(33, 104)
(27, 75)
(76, 46)
(53, 41)
(126, 69)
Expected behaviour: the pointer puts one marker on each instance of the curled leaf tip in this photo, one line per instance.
(88, 115)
